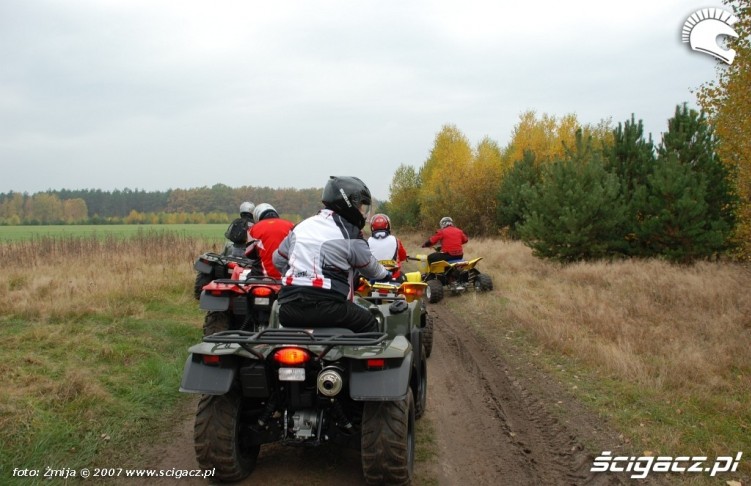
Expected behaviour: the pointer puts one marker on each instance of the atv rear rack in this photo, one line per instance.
(328, 337)
(252, 279)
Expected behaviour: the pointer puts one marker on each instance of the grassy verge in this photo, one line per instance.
(93, 344)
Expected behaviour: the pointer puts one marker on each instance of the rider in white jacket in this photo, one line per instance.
(384, 245)
(319, 258)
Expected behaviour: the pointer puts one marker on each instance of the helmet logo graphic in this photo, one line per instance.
(704, 26)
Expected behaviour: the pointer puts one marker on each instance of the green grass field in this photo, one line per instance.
(21, 233)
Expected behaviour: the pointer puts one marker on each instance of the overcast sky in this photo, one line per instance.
(153, 95)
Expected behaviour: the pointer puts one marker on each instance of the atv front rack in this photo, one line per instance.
(328, 337)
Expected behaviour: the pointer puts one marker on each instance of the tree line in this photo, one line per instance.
(216, 204)
(574, 192)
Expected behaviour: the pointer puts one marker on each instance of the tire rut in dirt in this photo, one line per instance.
(518, 440)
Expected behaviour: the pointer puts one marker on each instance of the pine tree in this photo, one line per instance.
(685, 207)
(631, 158)
(511, 196)
(691, 140)
(577, 212)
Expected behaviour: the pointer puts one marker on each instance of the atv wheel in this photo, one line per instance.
(427, 335)
(219, 437)
(421, 393)
(483, 282)
(434, 292)
(216, 322)
(201, 280)
(388, 441)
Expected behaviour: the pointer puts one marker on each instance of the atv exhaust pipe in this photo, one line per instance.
(330, 381)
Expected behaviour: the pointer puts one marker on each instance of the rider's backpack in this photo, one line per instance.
(237, 231)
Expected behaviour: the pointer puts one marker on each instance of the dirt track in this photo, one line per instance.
(494, 423)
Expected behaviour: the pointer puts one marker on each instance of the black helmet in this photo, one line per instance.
(348, 196)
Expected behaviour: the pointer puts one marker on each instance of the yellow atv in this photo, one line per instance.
(454, 275)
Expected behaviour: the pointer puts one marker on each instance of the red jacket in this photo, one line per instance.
(269, 233)
(451, 238)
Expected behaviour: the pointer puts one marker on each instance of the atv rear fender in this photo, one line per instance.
(385, 385)
(199, 377)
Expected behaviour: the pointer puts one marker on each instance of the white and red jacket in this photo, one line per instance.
(319, 257)
(388, 247)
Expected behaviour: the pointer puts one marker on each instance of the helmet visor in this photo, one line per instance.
(365, 211)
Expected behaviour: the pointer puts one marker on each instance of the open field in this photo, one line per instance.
(95, 333)
(22, 233)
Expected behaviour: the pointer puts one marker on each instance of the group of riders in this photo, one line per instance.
(317, 259)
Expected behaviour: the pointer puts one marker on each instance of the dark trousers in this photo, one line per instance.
(439, 255)
(327, 313)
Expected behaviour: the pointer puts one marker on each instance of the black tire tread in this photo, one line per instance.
(215, 322)
(215, 436)
(427, 335)
(483, 282)
(385, 440)
(436, 291)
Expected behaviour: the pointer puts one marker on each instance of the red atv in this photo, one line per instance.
(242, 302)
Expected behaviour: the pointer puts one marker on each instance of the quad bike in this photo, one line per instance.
(211, 266)
(454, 275)
(308, 387)
(241, 302)
(388, 291)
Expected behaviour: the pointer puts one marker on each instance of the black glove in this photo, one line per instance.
(426, 244)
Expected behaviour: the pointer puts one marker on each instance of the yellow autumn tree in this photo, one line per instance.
(547, 136)
(443, 177)
(404, 205)
(480, 187)
(727, 102)
(75, 210)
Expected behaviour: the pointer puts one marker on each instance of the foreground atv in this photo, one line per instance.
(309, 387)
(242, 302)
(456, 276)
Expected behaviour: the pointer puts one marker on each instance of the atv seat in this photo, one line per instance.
(331, 331)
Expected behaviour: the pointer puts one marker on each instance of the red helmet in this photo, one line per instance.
(380, 222)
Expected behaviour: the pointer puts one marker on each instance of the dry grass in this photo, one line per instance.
(662, 326)
(670, 344)
(56, 278)
(94, 334)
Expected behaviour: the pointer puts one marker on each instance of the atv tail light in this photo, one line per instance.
(211, 360)
(413, 290)
(375, 364)
(262, 291)
(216, 292)
(231, 265)
(291, 356)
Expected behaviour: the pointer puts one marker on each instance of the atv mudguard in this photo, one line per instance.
(385, 385)
(209, 380)
(210, 302)
(203, 266)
